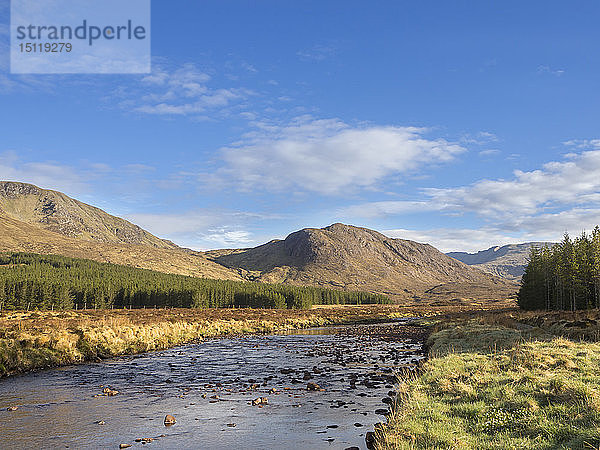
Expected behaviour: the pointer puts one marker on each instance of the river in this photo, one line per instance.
(209, 386)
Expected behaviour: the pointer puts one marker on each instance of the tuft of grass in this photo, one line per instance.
(487, 386)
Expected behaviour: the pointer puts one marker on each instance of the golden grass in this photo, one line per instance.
(35, 340)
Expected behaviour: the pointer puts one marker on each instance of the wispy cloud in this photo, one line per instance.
(329, 156)
(318, 52)
(540, 204)
(584, 144)
(227, 238)
(79, 178)
(545, 69)
(489, 152)
(204, 229)
(184, 91)
(459, 239)
(46, 174)
(385, 208)
(480, 138)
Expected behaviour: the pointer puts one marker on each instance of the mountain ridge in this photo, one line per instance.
(17, 236)
(55, 211)
(350, 257)
(506, 261)
(338, 256)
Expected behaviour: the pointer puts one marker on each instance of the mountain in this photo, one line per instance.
(48, 222)
(508, 261)
(354, 258)
(339, 256)
(57, 212)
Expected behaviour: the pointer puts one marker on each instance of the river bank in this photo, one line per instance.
(502, 380)
(37, 340)
(307, 388)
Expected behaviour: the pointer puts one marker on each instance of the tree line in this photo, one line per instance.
(32, 281)
(563, 276)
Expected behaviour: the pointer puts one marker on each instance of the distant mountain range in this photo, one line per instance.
(508, 261)
(339, 256)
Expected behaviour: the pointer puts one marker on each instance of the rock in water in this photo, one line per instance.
(370, 439)
(124, 445)
(313, 387)
(169, 420)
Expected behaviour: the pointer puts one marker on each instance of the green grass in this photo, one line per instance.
(492, 387)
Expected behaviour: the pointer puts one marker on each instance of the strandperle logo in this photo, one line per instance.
(80, 36)
(85, 32)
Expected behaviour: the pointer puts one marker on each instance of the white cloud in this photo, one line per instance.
(223, 237)
(329, 156)
(557, 184)
(550, 70)
(318, 52)
(489, 152)
(203, 229)
(181, 92)
(536, 205)
(459, 239)
(47, 174)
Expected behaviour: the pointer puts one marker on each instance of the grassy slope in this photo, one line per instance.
(18, 236)
(57, 212)
(499, 383)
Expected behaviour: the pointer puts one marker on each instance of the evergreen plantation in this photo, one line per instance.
(31, 281)
(564, 276)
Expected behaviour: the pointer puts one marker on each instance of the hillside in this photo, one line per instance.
(340, 256)
(508, 261)
(353, 258)
(57, 212)
(22, 237)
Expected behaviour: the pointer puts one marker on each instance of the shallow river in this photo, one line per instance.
(209, 386)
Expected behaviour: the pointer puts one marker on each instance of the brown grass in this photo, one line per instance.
(34, 340)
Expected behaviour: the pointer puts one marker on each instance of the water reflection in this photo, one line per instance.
(208, 387)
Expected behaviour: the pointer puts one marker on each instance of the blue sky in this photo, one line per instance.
(462, 124)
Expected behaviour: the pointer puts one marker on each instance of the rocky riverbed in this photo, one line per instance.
(318, 388)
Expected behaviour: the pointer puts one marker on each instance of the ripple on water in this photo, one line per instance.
(209, 387)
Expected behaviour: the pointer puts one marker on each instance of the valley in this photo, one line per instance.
(343, 326)
(345, 257)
